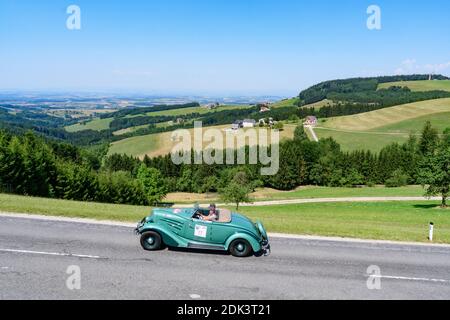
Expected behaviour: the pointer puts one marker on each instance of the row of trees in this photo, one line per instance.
(308, 163)
(31, 166)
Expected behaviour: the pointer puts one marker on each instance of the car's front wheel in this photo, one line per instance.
(151, 241)
(240, 248)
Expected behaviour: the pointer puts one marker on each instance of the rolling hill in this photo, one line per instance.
(98, 124)
(421, 85)
(159, 144)
(373, 130)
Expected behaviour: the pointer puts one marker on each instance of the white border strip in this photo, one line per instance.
(50, 253)
(272, 235)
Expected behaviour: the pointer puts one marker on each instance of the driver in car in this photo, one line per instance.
(212, 216)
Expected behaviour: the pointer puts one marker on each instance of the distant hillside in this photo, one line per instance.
(374, 130)
(423, 85)
(353, 89)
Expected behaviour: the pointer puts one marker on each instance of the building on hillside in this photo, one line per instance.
(238, 124)
(310, 121)
(264, 107)
(249, 123)
(212, 106)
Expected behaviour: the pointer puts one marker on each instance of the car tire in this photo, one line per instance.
(151, 241)
(240, 248)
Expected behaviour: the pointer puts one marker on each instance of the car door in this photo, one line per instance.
(220, 232)
(198, 230)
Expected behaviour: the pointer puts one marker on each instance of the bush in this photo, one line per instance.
(397, 179)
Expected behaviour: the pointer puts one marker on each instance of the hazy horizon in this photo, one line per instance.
(215, 48)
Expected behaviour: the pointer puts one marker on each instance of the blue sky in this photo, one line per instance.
(218, 47)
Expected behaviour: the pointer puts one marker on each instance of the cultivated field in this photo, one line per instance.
(285, 103)
(96, 125)
(320, 104)
(373, 130)
(161, 143)
(387, 116)
(304, 192)
(103, 124)
(424, 85)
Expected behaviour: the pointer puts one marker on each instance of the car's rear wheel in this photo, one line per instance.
(240, 248)
(151, 241)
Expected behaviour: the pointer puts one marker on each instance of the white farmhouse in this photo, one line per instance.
(249, 123)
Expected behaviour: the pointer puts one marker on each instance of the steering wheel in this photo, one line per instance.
(197, 215)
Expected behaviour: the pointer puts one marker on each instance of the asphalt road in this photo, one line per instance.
(35, 256)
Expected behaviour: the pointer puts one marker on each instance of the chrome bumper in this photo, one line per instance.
(266, 248)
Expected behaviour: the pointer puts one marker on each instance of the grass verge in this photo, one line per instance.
(400, 221)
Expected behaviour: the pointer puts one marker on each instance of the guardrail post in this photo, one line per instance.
(430, 234)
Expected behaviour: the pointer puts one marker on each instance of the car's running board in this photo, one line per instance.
(205, 247)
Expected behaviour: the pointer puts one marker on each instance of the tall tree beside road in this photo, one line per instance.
(434, 171)
(153, 183)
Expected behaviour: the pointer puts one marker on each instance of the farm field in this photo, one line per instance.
(161, 143)
(424, 85)
(402, 221)
(440, 121)
(373, 130)
(354, 140)
(387, 116)
(96, 125)
(200, 110)
(320, 104)
(285, 103)
(304, 192)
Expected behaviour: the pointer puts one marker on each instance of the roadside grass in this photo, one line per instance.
(400, 221)
(72, 209)
(306, 192)
(423, 85)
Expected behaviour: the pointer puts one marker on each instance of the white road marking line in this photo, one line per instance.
(51, 253)
(410, 278)
(4, 268)
(195, 296)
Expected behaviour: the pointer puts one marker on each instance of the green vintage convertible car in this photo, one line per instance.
(184, 228)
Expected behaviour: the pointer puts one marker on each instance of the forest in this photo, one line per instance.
(30, 165)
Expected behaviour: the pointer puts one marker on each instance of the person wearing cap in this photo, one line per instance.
(212, 216)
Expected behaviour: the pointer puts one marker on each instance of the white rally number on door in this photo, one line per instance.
(200, 231)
